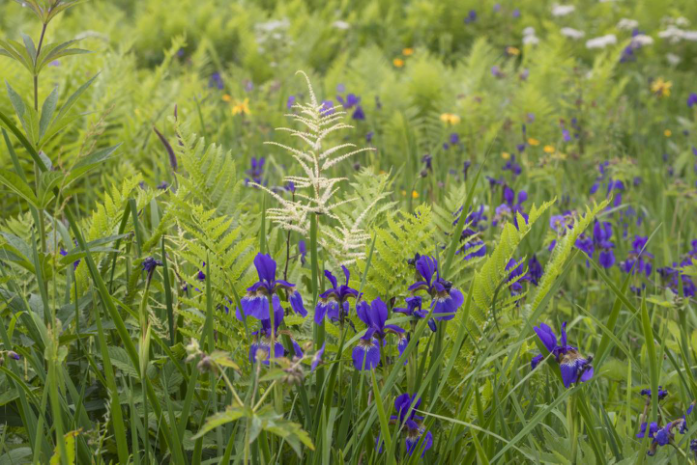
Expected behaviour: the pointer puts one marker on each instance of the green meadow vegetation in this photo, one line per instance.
(348, 232)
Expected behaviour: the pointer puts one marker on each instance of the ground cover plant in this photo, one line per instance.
(348, 232)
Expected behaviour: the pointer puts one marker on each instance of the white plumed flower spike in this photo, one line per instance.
(315, 189)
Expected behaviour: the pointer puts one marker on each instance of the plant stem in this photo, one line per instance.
(36, 61)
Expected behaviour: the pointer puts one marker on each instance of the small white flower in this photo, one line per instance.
(572, 33)
(642, 40)
(682, 22)
(562, 10)
(602, 41)
(529, 31)
(672, 34)
(627, 24)
(531, 40)
(673, 59)
(690, 35)
(343, 25)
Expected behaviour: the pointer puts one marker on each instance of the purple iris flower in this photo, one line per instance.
(510, 207)
(662, 393)
(256, 172)
(415, 433)
(602, 235)
(163, 186)
(496, 72)
(327, 108)
(664, 436)
(535, 270)
(333, 302)
(471, 17)
(466, 168)
(566, 135)
(366, 355)
(64, 253)
(652, 430)
(290, 102)
(472, 246)
(406, 405)
(513, 167)
(454, 138)
(516, 276)
(216, 80)
(692, 100)
(574, 367)
(302, 248)
(375, 317)
(516, 13)
(260, 349)
(201, 276)
(256, 302)
(369, 136)
(351, 100)
(317, 358)
(358, 113)
(415, 310)
(445, 299)
(561, 223)
(149, 265)
(638, 259)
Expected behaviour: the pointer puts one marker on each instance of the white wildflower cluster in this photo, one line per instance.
(572, 33)
(315, 189)
(675, 30)
(601, 42)
(272, 37)
(529, 37)
(626, 24)
(562, 10)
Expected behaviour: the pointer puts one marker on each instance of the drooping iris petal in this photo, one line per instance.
(366, 355)
(255, 305)
(297, 349)
(569, 373)
(321, 311)
(296, 303)
(412, 443)
(536, 361)
(317, 359)
(259, 351)
(402, 345)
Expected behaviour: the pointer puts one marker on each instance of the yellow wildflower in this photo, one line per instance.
(505, 155)
(450, 119)
(398, 62)
(227, 98)
(661, 87)
(241, 108)
(667, 133)
(512, 51)
(414, 195)
(533, 142)
(548, 149)
(407, 52)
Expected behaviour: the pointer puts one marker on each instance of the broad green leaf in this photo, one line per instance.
(223, 418)
(47, 110)
(13, 182)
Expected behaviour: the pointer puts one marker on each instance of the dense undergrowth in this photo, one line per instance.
(348, 232)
